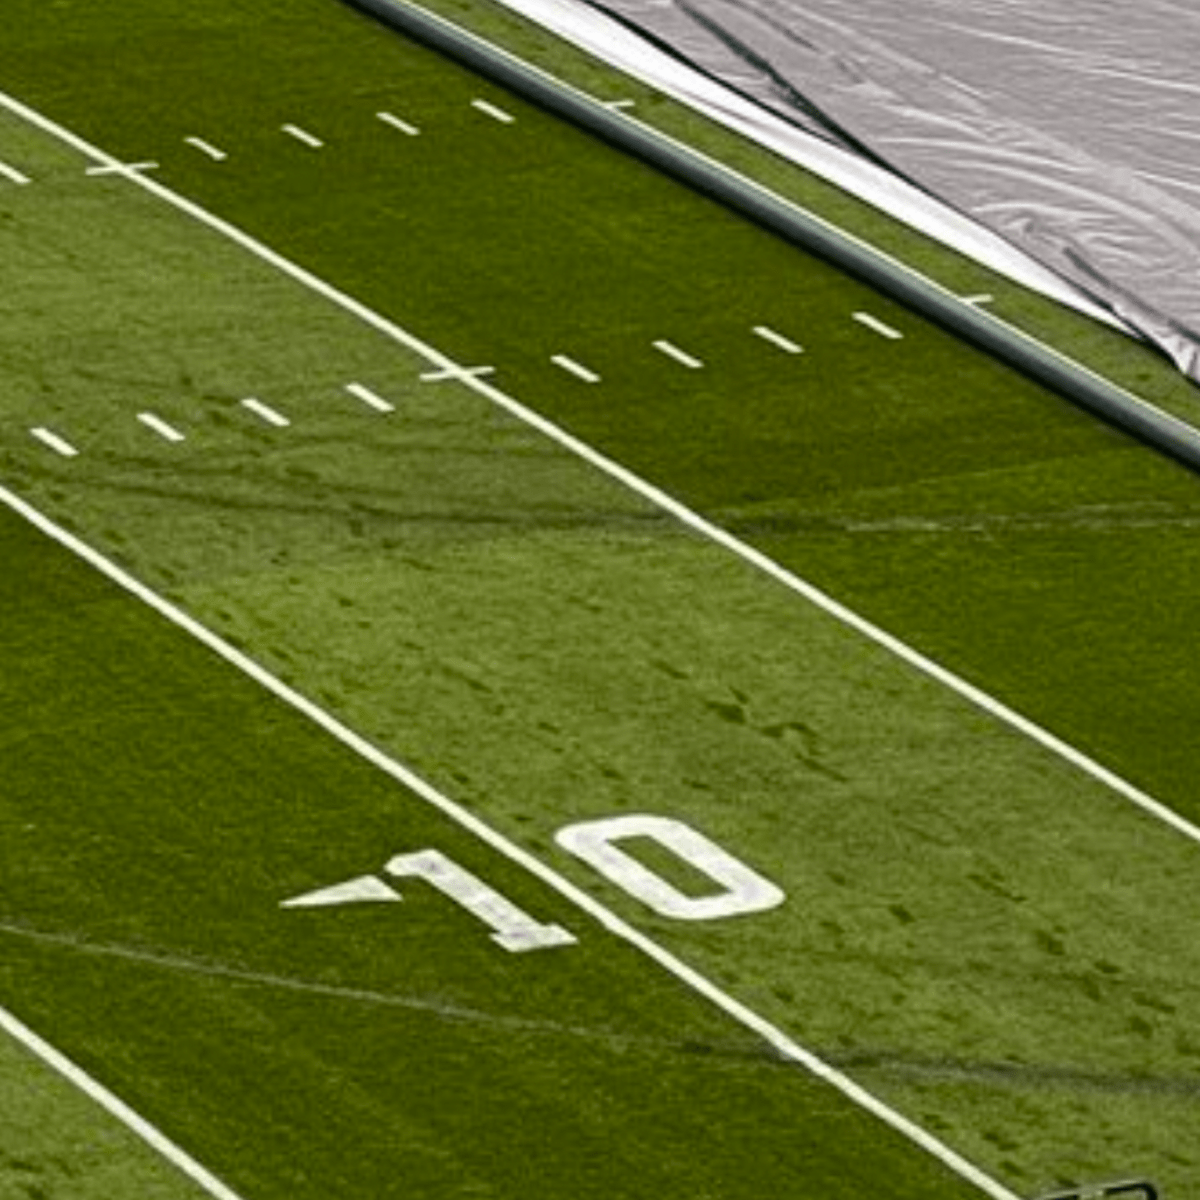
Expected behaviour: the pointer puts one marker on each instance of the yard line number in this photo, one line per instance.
(737, 888)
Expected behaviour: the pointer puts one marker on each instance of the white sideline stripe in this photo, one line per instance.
(13, 175)
(207, 148)
(680, 356)
(880, 327)
(693, 520)
(58, 444)
(302, 135)
(777, 339)
(266, 412)
(369, 398)
(116, 1107)
(492, 111)
(575, 368)
(155, 422)
(396, 123)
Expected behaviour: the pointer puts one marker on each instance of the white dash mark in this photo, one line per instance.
(266, 413)
(575, 368)
(302, 135)
(370, 398)
(982, 298)
(777, 339)
(396, 123)
(456, 372)
(155, 422)
(680, 356)
(208, 148)
(13, 175)
(492, 111)
(877, 325)
(120, 168)
(618, 105)
(57, 444)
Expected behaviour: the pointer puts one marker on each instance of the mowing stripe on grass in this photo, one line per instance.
(497, 114)
(878, 326)
(161, 427)
(266, 413)
(13, 175)
(58, 444)
(575, 368)
(302, 135)
(370, 398)
(207, 148)
(680, 356)
(396, 123)
(777, 339)
(115, 1107)
(449, 369)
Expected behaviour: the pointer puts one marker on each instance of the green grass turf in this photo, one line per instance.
(544, 646)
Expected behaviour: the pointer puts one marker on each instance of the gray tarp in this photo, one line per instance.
(1071, 128)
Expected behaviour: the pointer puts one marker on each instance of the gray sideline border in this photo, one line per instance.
(1099, 396)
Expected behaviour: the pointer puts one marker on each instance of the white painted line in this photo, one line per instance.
(680, 356)
(370, 398)
(155, 422)
(982, 298)
(302, 135)
(266, 413)
(777, 339)
(492, 111)
(877, 325)
(58, 444)
(620, 105)
(452, 370)
(207, 148)
(13, 175)
(115, 167)
(575, 368)
(396, 123)
(116, 1107)
(852, 620)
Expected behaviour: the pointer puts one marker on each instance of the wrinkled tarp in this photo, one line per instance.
(1070, 129)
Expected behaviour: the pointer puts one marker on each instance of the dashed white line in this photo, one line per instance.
(213, 152)
(878, 326)
(155, 422)
(680, 356)
(369, 398)
(266, 413)
(575, 368)
(777, 339)
(302, 135)
(497, 114)
(58, 444)
(13, 175)
(396, 123)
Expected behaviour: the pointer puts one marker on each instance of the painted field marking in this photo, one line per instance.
(370, 398)
(452, 370)
(880, 327)
(208, 148)
(155, 422)
(497, 114)
(982, 298)
(266, 413)
(620, 105)
(58, 444)
(680, 356)
(131, 170)
(302, 135)
(777, 339)
(13, 175)
(575, 368)
(115, 1107)
(656, 496)
(396, 123)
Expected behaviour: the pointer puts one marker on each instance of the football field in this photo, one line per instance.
(520, 683)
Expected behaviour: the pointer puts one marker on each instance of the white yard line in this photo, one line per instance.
(497, 114)
(302, 135)
(13, 175)
(777, 339)
(370, 398)
(453, 370)
(880, 327)
(575, 368)
(776, 1037)
(58, 444)
(266, 413)
(162, 428)
(213, 152)
(396, 123)
(680, 356)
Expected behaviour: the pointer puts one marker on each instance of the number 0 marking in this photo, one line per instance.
(743, 890)
(514, 928)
